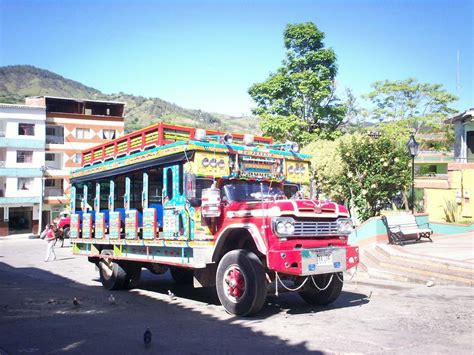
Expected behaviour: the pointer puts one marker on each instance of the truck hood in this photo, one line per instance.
(297, 208)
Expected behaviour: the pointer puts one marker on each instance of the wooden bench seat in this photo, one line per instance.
(403, 228)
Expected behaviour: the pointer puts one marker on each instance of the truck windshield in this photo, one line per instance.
(240, 191)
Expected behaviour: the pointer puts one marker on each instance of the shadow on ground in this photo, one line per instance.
(287, 302)
(37, 315)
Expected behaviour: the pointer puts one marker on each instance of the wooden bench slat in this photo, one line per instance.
(404, 227)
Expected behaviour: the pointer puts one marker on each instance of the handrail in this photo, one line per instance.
(149, 137)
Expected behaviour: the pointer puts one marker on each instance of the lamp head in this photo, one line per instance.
(413, 146)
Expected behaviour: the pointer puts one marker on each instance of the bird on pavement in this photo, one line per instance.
(76, 302)
(171, 294)
(111, 299)
(147, 337)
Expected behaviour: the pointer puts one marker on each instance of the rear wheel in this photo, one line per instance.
(133, 273)
(316, 297)
(181, 275)
(112, 275)
(241, 283)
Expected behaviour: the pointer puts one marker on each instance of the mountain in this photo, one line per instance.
(20, 81)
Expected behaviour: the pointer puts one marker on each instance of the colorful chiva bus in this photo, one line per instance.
(220, 210)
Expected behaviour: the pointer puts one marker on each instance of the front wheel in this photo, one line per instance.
(133, 274)
(327, 291)
(241, 283)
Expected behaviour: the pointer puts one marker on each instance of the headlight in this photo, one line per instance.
(283, 226)
(344, 226)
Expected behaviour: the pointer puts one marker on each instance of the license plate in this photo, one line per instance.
(324, 259)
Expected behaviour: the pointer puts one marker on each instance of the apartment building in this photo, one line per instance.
(22, 155)
(72, 125)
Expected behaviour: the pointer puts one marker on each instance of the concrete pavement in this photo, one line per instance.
(457, 247)
(37, 315)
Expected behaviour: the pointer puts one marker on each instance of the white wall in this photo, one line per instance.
(12, 115)
(13, 191)
(37, 161)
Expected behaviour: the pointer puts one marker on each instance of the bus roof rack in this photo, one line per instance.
(157, 135)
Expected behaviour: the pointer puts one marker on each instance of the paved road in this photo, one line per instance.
(37, 315)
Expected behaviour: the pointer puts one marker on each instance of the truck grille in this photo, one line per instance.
(315, 229)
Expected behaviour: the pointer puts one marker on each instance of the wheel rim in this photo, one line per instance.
(234, 283)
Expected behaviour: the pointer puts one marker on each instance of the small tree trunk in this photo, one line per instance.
(405, 201)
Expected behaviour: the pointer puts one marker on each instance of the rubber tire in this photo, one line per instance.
(315, 297)
(133, 276)
(67, 233)
(118, 277)
(255, 293)
(181, 275)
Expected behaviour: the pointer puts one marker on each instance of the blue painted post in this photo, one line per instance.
(73, 199)
(145, 191)
(126, 196)
(111, 196)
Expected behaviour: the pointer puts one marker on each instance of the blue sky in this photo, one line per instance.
(206, 54)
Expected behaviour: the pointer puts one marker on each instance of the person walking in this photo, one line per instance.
(50, 237)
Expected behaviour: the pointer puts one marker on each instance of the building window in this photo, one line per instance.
(108, 134)
(83, 133)
(50, 157)
(54, 134)
(25, 183)
(77, 158)
(49, 183)
(24, 156)
(26, 129)
(50, 131)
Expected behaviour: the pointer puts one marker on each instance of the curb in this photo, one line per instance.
(20, 236)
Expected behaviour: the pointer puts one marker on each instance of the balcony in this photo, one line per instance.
(53, 192)
(429, 156)
(19, 200)
(432, 176)
(54, 139)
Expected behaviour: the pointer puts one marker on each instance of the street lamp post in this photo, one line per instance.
(413, 146)
(40, 217)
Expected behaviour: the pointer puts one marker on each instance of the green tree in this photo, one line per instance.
(376, 169)
(298, 102)
(356, 116)
(366, 173)
(420, 106)
(327, 166)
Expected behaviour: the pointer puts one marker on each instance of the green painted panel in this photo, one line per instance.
(20, 172)
(18, 200)
(21, 143)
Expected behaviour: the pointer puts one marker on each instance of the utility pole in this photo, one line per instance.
(40, 217)
(458, 74)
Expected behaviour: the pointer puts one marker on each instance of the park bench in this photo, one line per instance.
(403, 228)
